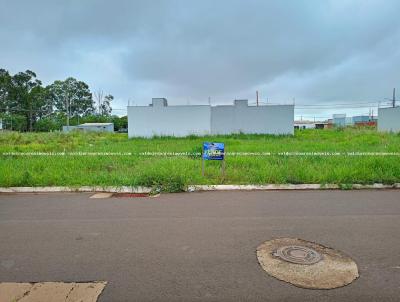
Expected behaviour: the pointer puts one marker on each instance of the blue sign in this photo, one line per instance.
(213, 151)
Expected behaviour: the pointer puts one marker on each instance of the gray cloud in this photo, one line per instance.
(316, 51)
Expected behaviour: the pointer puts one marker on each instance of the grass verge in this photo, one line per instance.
(142, 162)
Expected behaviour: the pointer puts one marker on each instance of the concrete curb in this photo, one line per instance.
(197, 188)
(122, 189)
(289, 187)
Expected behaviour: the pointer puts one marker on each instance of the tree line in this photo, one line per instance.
(27, 105)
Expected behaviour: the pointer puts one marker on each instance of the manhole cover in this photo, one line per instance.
(306, 264)
(298, 254)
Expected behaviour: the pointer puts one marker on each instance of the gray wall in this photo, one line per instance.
(148, 121)
(102, 128)
(273, 119)
(163, 120)
(389, 119)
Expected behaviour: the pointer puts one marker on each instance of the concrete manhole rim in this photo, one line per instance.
(307, 242)
(305, 255)
(331, 254)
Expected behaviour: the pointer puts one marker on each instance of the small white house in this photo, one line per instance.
(389, 119)
(304, 125)
(160, 119)
(94, 127)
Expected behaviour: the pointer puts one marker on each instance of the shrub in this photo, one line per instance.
(162, 183)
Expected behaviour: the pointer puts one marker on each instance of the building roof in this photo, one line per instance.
(96, 124)
(304, 122)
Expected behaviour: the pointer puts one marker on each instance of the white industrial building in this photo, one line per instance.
(160, 119)
(341, 120)
(389, 119)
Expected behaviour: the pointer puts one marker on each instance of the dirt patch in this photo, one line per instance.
(335, 269)
(51, 291)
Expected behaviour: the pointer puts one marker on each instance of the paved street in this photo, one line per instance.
(198, 246)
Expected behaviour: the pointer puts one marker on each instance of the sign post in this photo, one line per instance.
(213, 151)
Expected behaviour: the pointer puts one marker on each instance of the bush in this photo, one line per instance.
(162, 183)
(14, 122)
(47, 124)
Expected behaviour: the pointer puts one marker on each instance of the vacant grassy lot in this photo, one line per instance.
(266, 164)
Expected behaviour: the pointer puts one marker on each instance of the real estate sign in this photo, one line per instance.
(213, 151)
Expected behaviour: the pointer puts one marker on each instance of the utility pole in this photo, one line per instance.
(257, 97)
(209, 101)
(30, 116)
(394, 97)
(9, 113)
(67, 105)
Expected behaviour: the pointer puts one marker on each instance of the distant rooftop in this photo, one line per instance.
(309, 122)
(95, 124)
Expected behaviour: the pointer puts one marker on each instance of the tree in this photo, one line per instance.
(45, 103)
(5, 85)
(50, 123)
(103, 103)
(105, 108)
(119, 122)
(98, 95)
(13, 121)
(72, 97)
(26, 96)
(26, 105)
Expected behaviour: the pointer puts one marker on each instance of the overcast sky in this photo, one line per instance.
(314, 51)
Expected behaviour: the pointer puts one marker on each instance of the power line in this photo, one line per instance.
(340, 104)
(333, 105)
(333, 108)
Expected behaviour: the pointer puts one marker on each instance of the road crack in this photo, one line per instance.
(73, 287)
(25, 293)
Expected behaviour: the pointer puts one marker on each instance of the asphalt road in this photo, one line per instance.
(198, 246)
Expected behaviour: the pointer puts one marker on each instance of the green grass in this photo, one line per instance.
(174, 173)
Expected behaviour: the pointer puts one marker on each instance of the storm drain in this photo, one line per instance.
(306, 264)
